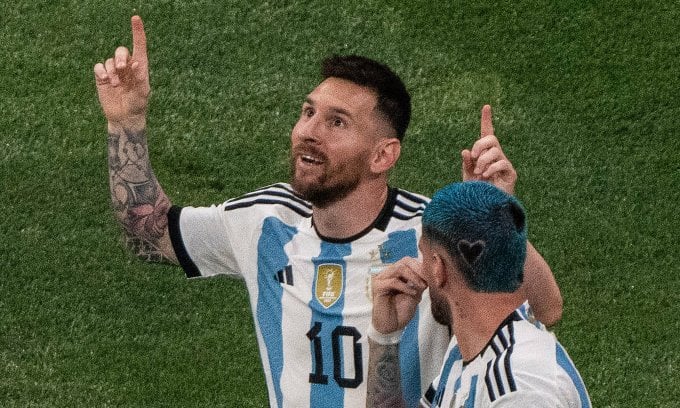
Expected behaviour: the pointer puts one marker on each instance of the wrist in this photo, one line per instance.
(384, 339)
(135, 124)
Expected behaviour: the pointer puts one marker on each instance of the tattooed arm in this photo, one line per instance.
(139, 203)
(396, 291)
(384, 376)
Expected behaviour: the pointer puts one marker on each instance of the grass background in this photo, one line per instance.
(585, 103)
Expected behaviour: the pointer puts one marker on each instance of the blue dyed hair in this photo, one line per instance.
(484, 231)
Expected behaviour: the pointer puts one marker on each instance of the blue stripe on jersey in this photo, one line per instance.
(567, 365)
(454, 356)
(272, 258)
(400, 244)
(324, 323)
(472, 395)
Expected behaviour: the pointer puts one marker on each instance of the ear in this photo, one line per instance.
(385, 155)
(439, 271)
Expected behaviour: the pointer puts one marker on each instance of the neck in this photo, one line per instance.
(353, 213)
(476, 317)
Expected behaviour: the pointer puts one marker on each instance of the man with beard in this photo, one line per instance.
(473, 248)
(306, 250)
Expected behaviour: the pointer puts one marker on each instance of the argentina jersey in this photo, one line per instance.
(310, 297)
(523, 365)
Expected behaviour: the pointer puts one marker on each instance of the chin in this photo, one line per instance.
(320, 194)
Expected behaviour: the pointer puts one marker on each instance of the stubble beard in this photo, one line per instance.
(440, 310)
(322, 192)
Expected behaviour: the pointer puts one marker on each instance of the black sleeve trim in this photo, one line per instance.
(429, 395)
(190, 268)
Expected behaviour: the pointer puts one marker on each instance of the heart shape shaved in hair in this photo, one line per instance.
(471, 251)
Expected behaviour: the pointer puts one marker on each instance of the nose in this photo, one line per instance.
(308, 130)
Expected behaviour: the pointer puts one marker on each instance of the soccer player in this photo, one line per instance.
(473, 249)
(306, 250)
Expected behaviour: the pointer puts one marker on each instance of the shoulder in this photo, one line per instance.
(520, 357)
(407, 206)
(275, 201)
(539, 373)
(409, 201)
(275, 197)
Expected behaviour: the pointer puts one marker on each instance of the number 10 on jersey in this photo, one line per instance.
(319, 376)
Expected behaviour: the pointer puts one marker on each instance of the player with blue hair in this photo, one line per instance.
(475, 219)
(474, 245)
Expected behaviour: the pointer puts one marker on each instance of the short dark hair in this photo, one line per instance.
(394, 101)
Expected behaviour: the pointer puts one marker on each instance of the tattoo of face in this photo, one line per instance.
(385, 384)
(388, 370)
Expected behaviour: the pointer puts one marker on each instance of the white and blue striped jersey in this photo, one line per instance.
(309, 295)
(523, 365)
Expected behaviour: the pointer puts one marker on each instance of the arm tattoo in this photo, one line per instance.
(139, 203)
(384, 380)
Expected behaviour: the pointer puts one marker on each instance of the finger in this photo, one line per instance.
(411, 285)
(499, 168)
(487, 125)
(406, 288)
(483, 144)
(468, 165)
(401, 276)
(121, 57)
(410, 275)
(110, 67)
(100, 74)
(413, 267)
(138, 39)
(487, 158)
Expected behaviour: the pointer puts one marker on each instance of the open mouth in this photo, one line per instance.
(308, 159)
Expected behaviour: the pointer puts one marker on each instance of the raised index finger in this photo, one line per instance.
(487, 125)
(138, 39)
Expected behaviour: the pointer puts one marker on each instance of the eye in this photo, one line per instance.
(337, 122)
(307, 111)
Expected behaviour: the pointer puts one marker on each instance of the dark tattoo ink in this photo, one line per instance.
(384, 388)
(138, 201)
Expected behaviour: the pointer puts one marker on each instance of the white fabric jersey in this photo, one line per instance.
(523, 365)
(309, 295)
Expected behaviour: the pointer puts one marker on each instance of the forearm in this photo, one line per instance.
(541, 289)
(384, 376)
(139, 203)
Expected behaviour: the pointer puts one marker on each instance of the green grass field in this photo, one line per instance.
(585, 97)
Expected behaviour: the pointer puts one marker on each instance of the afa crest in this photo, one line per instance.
(329, 284)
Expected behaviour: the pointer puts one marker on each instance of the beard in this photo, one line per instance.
(331, 185)
(440, 309)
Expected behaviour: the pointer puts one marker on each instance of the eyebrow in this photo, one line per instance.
(340, 111)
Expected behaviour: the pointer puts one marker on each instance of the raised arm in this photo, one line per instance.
(140, 205)
(396, 293)
(487, 161)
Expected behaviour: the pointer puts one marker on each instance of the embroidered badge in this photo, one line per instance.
(329, 284)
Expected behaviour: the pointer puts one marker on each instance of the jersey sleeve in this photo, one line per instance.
(529, 398)
(223, 239)
(202, 241)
